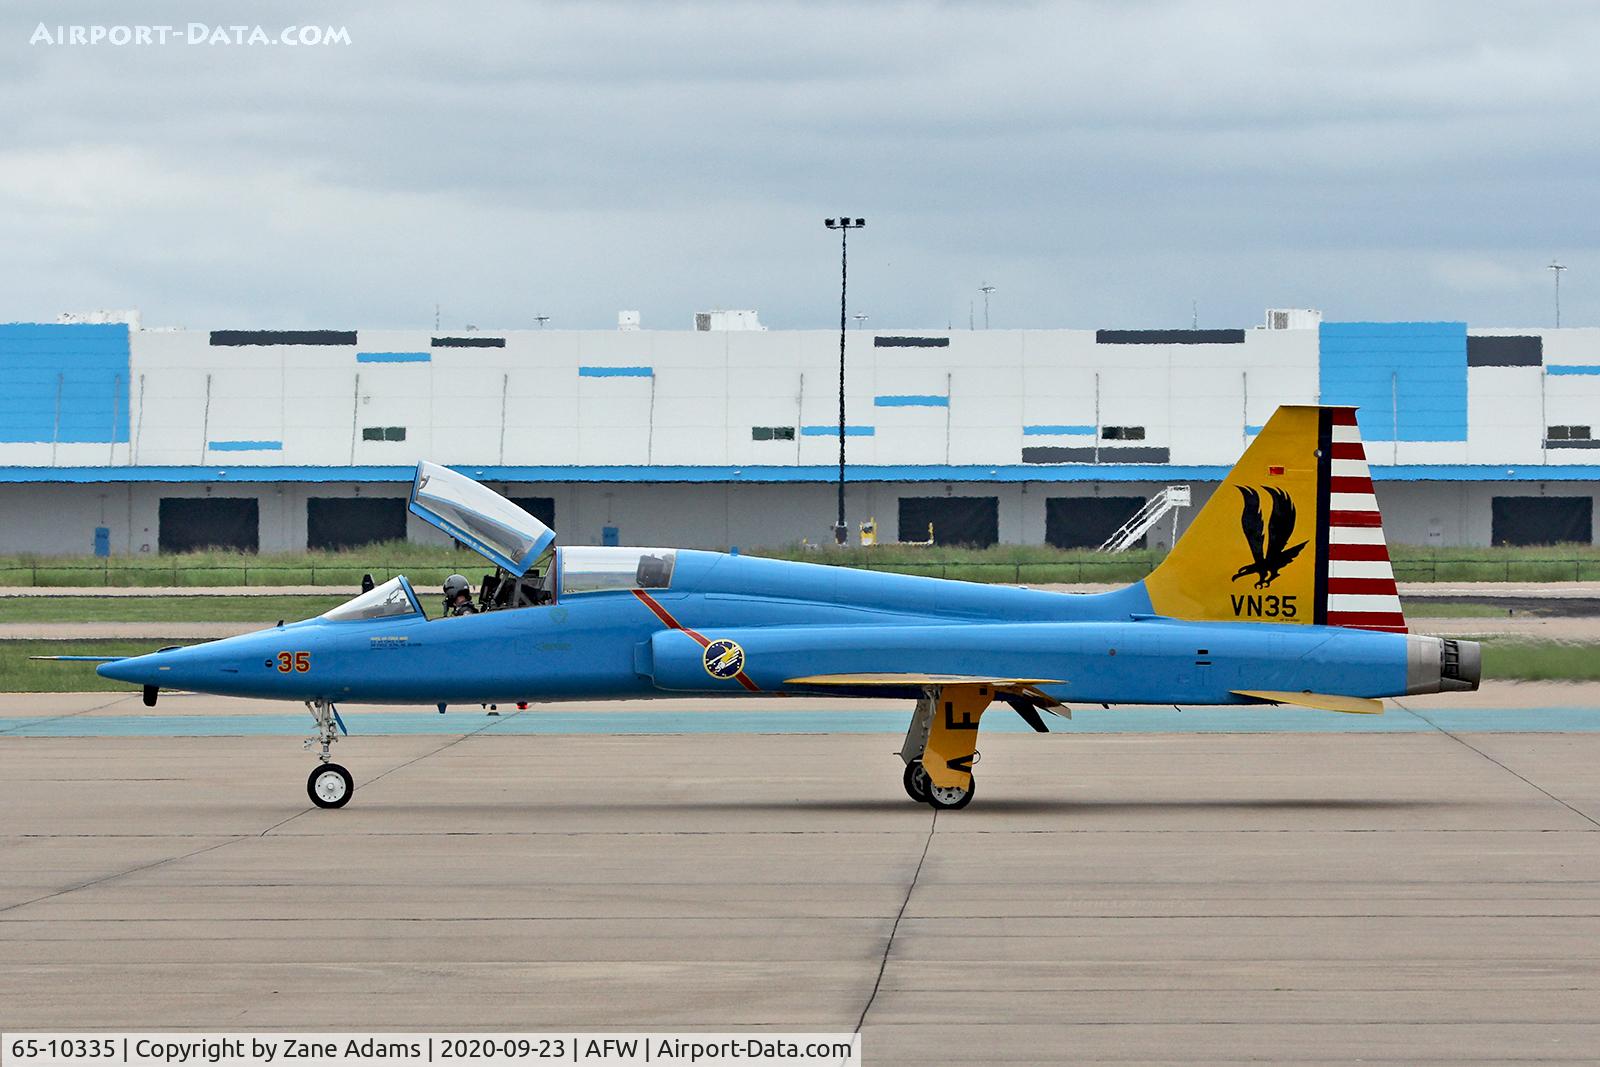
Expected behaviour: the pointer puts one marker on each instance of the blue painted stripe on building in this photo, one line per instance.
(394, 357)
(1252, 429)
(78, 370)
(925, 400)
(245, 446)
(1572, 368)
(833, 431)
(616, 372)
(1131, 720)
(1408, 379)
(1070, 472)
(1056, 431)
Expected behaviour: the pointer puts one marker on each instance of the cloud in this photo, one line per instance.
(1101, 163)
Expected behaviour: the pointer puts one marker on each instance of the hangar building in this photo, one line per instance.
(119, 439)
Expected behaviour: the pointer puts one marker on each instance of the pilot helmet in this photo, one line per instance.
(454, 586)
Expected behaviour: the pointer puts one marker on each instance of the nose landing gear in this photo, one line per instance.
(330, 785)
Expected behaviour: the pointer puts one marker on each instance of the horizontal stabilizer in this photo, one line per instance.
(1318, 701)
(82, 659)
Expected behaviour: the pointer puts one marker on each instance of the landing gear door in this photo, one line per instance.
(479, 517)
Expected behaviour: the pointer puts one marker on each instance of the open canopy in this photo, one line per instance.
(478, 516)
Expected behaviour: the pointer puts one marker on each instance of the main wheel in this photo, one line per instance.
(950, 798)
(330, 786)
(916, 782)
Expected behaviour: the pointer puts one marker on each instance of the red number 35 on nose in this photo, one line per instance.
(294, 661)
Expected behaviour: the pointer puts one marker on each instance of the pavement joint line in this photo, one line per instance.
(1576, 811)
(221, 844)
(431, 752)
(888, 946)
(121, 874)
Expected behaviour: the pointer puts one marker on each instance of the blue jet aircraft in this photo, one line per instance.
(1279, 592)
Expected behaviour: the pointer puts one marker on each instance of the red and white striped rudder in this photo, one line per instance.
(1360, 586)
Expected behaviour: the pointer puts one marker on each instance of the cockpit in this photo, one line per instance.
(570, 572)
(530, 571)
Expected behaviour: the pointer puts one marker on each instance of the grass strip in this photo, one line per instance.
(19, 674)
(265, 610)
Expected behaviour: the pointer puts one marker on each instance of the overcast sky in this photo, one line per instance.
(1100, 164)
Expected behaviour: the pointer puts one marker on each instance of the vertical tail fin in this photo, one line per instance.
(1292, 535)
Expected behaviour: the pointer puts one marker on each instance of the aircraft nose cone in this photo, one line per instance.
(140, 670)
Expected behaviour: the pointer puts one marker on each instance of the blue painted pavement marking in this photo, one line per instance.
(802, 721)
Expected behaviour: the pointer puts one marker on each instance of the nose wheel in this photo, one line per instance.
(330, 786)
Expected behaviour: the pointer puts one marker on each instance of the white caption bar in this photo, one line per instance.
(409, 1050)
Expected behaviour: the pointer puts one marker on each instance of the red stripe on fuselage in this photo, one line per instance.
(1354, 518)
(1348, 450)
(666, 617)
(672, 624)
(1343, 416)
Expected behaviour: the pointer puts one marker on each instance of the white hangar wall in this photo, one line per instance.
(715, 438)
(643, 398)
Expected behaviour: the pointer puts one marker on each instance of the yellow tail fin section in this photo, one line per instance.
(1292, 535)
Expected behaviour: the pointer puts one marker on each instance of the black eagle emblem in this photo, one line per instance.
(1268, 541)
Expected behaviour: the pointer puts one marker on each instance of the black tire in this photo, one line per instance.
(331, 795)
(945, 803)
(916, 782)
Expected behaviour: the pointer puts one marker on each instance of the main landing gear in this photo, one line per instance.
(941, 745)
(330, 785)
(920, 789)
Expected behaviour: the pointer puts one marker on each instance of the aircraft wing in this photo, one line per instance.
(856, 680)
(1024, 687)
(1318, 701)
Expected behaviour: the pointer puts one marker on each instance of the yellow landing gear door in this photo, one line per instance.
(953, 734)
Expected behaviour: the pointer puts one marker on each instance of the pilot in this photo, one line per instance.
(458, 596)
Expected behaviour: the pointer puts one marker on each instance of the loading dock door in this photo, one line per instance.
(192, 523)
(1086, 521)
(353, 521)
(957, 520)
(1542, 520)
(542, 508)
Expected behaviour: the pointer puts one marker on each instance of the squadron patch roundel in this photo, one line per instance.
(723, 659)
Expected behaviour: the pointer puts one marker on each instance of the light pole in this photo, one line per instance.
(844, 226)
(985, 290)
(1556, 268)
(860, 317)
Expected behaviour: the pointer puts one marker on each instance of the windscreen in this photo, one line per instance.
(479, 517)
(380, 602)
